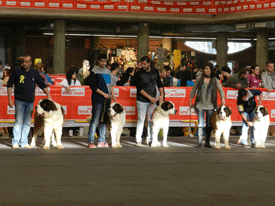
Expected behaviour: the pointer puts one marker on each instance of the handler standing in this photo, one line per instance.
(24, 79)
(205, 88)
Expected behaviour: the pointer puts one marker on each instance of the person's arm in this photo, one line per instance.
(249, 123)
(219, 87)
(152, 99)
(9, 89)
(161, 95)
(160, 87)
(46, 91)
(265, 80)
(106, 96)
(231, 83)
(260, 99)
(245, 84)
(193, 91)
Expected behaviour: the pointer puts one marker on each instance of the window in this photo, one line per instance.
(206, 47)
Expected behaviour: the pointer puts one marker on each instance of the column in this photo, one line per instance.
(167, 43)
(143, 40)
(222, 49)
(95, 41)
(262, 48)
(59, 47)
(19, 41)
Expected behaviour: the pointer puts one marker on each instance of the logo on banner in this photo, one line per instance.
(73, 92)
(133, 92)
(65, 109)
(10, 110)
(130, 110)
(273, 113)
(85, 110)
(40, 92)
(186, 111)
(268, 96)
(232, 94)
(3, 91)
(175, 92)
(116, 92)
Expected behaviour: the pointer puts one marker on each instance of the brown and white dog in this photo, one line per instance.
(50, 116)
(261, 124)
(221, 124)
(161, 121)
(117, 117)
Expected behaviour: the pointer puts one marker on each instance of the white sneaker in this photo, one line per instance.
(139, 144)
(27, 146)
(15, 146)
(80, 133)
(71, 132)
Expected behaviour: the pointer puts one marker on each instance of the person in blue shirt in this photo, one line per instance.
(24, 80)
(101, 85)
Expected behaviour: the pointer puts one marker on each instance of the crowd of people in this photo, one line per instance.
(149, 81)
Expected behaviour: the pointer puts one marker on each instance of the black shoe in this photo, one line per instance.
(199, 146)
(1, 135)
(207, 144)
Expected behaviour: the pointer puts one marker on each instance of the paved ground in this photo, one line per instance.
(178, 175)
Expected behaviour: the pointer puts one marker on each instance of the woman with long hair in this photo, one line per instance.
(70, 80)
(205, 88)
(254, 77)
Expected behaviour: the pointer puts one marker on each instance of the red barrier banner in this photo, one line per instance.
(177, 7)
(78, 106)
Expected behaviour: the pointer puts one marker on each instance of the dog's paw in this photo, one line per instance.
(119, 145)
(33, 144)
(115, 146)
(154, 145)
(191, 135)
(217, 147)
(165, 145)
(262, 146)
(60, 147)
(54, 145)
(228, 148)
(46, 147)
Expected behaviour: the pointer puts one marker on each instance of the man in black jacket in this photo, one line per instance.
(148, 85)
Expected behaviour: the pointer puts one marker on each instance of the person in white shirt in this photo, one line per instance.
(66, 83)
(70, 80)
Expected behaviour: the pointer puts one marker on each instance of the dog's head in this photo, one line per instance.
(45, 106)
(260, 112)
(168, 107)
(224, 111)
(115, 109)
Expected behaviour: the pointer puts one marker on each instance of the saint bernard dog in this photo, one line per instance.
(161, 121)
(117, 120)
(261, 125)
(221, 124)
(50, 116)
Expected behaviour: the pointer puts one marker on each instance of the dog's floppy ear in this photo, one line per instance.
(229, 111)
(219, 109)
(265, 111)
(118, 108)
(48, 105)
(166, 105)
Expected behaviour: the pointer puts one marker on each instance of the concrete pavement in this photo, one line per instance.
(178, 175)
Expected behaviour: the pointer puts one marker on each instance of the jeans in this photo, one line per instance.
(23, 117)
(96, 114)
(143, 108)
(245, 127)
(201, 114)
